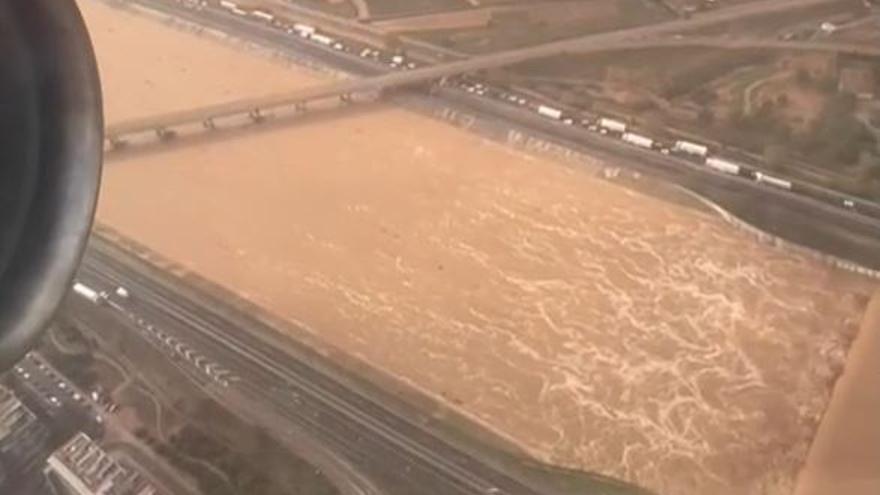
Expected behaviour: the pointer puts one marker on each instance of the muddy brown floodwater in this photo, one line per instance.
(598, 327)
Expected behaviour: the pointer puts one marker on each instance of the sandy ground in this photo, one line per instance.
(599, 328)
(845, 456)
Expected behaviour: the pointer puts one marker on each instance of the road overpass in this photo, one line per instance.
(375, 35)
(258, 107)
(863, 50)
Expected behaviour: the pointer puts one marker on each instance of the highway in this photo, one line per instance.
(431, 52)
(820, 224)
(638, 37)
(396, 452)
(862, 49)
(397, 79)
(797, 218)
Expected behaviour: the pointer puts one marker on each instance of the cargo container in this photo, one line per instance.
(612, 125)
(690, 148)
(638, 140)
(773, 181)
(723, 165)
(304, 29)
(553, 113)
(323, 39)
(87, 292)
(261, 14)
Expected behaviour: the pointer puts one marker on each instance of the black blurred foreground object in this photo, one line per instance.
(50, 161)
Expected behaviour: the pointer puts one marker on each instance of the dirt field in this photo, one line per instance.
(599, 328)
(547, 21)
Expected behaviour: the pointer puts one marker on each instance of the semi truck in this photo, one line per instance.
(262, 14)
(549, 112)
(612, 125)
(689, 148)
(638, 140)
(723, 165)
(773, 181)
(322, 39)
(304, 30)
(90, 294)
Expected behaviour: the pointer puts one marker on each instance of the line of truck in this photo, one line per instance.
(612, 127)
(619, 129)
(394, 60)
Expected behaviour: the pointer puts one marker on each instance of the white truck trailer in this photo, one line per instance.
(638, 140)
(722, 165)
(263, 15)
(773, 181)
(689, 148)
(322, 39)
(304, 30)
(612, 125)
(88, 293)
(549, 112)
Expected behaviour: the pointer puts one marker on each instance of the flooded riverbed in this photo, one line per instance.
(598, 327)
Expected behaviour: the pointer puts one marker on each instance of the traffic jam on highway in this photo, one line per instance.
(611, 127)
(169, 344)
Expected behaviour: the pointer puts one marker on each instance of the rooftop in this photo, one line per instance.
(87, 469)
(13, 414)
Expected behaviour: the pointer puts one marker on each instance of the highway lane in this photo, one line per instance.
(700, 20)
(631, 37)
(253, 395)
(803, 220)
(389, 447)
(794, 217)
(249, 407)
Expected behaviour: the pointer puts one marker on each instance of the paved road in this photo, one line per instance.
(794, 217)
(625, 38)
(862, 49)
(396, 452)
(804, 220)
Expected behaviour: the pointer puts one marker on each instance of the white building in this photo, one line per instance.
(82, 467)
(23, 437)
